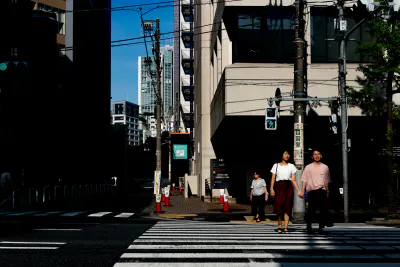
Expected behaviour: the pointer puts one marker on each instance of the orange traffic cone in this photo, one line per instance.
(221, 197)
(163, 195)
(226, 205)
(158, 204)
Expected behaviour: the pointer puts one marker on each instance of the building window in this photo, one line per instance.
(119, 118)
(119, 109)
(326, 50)
(264, 37)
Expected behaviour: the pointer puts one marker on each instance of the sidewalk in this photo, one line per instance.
(194, 207)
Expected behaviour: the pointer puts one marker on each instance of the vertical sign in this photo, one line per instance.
(157, 181)
(219, 174)
(298, 145)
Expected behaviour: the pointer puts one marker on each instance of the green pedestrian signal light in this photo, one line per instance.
(271, 124)
(3, 66)
(271, 118)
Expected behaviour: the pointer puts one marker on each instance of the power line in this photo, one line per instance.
(126, 8)
(167, 33)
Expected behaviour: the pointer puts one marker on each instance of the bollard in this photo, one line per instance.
(158, 204)
(163, 195)
(226, 206)
(167, 200)
(221, 196)
(173, 186)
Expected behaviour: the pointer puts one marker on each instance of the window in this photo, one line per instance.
(118, 118)
(119, 109)
(266, 37)
(322, 28)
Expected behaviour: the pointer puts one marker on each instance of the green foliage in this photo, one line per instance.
(385, 52)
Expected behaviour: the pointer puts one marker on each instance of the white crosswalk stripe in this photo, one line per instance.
(29, 245)
(70, 214)
(208, 244)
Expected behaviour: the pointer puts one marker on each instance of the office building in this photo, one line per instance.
(240, 62)
(147, 77)
(88, 93)
(127, 113)
(58, 8)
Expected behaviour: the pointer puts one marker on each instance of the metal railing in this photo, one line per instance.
(33, 196)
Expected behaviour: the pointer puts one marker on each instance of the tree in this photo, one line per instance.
(380, 81)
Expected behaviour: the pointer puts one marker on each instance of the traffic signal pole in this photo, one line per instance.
(299, 110)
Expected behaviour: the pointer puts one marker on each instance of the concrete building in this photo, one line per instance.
(58, 8)
(183, 66)
(127, 113)
(247, 52)
(88, 39)
(29, 88)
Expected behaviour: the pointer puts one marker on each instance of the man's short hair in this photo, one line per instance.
(315, 149)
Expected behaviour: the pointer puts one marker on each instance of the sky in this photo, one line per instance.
(124, 59)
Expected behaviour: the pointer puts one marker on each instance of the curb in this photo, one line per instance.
(148, 211)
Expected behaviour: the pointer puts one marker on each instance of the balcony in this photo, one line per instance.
(186, 55)
(187, 61)
(185, 27)
(188, 119)
(187, 11)
(187, 89)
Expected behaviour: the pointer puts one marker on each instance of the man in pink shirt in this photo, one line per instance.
(315, 180)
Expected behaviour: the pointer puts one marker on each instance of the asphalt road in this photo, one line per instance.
(66, 244)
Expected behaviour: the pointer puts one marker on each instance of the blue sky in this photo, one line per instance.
(124, 59)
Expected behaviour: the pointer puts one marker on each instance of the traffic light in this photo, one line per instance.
(271, 119)
(334, 117)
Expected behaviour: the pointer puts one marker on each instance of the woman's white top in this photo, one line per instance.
(283, 173)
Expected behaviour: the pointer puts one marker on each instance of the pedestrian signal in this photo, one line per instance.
(271, 118)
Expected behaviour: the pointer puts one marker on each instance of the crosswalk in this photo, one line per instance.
(66, 214)
(209, 244)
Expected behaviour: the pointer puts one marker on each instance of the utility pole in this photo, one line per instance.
(341, 28)
(299, 109)
(158, 98)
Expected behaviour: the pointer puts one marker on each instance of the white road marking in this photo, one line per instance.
(124, 215)
(21, 248)
(31, 243)
(99, 214)
(56, 229)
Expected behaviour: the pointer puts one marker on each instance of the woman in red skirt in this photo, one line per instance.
(284, 178)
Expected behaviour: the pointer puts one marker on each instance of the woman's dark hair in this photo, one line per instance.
(258, 171)
(290, 151)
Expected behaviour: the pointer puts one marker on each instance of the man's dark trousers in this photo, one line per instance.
(317, 199)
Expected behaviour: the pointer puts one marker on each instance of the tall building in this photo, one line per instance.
(167, 85)
(88, 42)
(58, 8)
(147, 77)
(127, 113)
(183, 66)
(241, 61)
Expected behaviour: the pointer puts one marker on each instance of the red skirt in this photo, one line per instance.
(283, 198)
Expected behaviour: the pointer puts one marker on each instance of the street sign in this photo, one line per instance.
(180, 152)
(271, 118)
